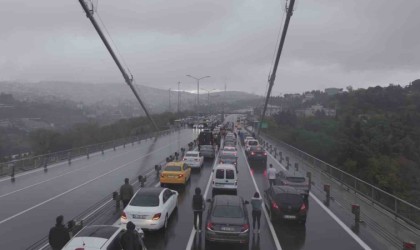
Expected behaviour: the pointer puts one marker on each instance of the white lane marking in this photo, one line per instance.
(270, 225)
(59, 164)
(193, 231)
(81, 185)
(333, 216)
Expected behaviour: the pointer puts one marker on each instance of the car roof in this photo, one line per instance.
(193, 152)
(285, 189)
(232, 200)
(98, 231)
(150, 190)
(225, 166)
(174, 163)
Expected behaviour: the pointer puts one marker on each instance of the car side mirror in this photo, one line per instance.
(208, 200)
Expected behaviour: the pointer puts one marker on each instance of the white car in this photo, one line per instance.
(248, 138)
(194, 159)
(250, 143)
(150, 208)
(229, 151)
(96, 237)
(225, 178)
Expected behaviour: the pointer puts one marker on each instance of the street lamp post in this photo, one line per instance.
(208, 97)
(198, 88)
(179, 97)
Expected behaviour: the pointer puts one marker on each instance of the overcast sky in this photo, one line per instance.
(330, 43)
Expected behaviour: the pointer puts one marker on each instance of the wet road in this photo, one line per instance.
(33, 201)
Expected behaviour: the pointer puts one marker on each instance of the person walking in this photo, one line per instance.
(126, 192)
(130, 240)
(272, 175)
(256, 203)
(198, 207)
(59, 235)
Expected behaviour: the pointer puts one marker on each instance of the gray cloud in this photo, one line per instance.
(330, 43)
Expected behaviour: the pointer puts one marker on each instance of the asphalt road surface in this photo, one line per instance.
(29, 205)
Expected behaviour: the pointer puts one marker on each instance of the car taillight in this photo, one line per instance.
(265, 153)
(123, 215)
(210, 226)
(252, 153)
(180, 175)
(162, 175)
(274, 205)
(156, 216)
(303, 207)
(245, 228)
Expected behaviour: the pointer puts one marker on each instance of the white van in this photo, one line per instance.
(250, 143)
(225, 178)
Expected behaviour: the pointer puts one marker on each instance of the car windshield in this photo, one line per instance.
(230, 174)
(220, 173)
(229, 149)
(293, 199)
(224, 211)
(173, 168)
(191, 155)
(206, 147)
(295, 179)
(253, 143)
(145, 200)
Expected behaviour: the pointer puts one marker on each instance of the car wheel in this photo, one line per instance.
(165, 224)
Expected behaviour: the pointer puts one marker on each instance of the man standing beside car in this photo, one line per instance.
(126, 192)
(272, 175)
(198, 207)
(59, 235)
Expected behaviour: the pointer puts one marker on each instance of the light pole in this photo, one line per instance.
(198, 88)
(208, 97)
(179, 97)
(169, 107)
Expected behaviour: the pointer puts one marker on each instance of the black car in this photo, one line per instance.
(257, 153)
(285, 203)
(227, 220)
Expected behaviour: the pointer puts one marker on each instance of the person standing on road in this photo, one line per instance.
(130, 240)
(272, 175)
(198, 207)
(59, 235)
(256, 203)
(126, 192)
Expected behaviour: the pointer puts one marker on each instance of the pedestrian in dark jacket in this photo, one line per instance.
(59, 235)
(198, 207)
(126, 192)
(256, 203)
(130, 240)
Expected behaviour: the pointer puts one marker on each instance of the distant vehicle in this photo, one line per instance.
(229, 159)
(227, 221)
(98, 237)
(225, 178)
(229, 150)
(175, 173)
(301, 184)
(194, 159)
(207, 151)
(205, 138)
(285, 203)
(247, 138)
(150, 208)
(250, 143)
(257, 153)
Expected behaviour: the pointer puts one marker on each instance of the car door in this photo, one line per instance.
(187, 171)
(166, 209)
(201, 157)
(168, 199)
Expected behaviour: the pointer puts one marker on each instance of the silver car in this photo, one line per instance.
(207, 151)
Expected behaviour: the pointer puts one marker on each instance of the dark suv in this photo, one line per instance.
(227, 220)
(257, 153)
(285, 203)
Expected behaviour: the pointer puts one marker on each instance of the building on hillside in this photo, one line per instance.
(314, 109)
(271, 110)
(308, 97)
(333, 91)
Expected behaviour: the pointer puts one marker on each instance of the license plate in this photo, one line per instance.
(289, 217)
(227, 229)
(137, 216)
(171, 176)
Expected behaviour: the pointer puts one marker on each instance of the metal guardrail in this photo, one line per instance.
(400, 208)
(33, 162)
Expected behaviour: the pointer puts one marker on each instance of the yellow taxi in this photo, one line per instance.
(176, 172)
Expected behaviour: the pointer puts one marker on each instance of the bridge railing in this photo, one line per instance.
(43, 161)
(398, 207)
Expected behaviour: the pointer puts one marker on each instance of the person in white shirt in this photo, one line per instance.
(272, 174)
